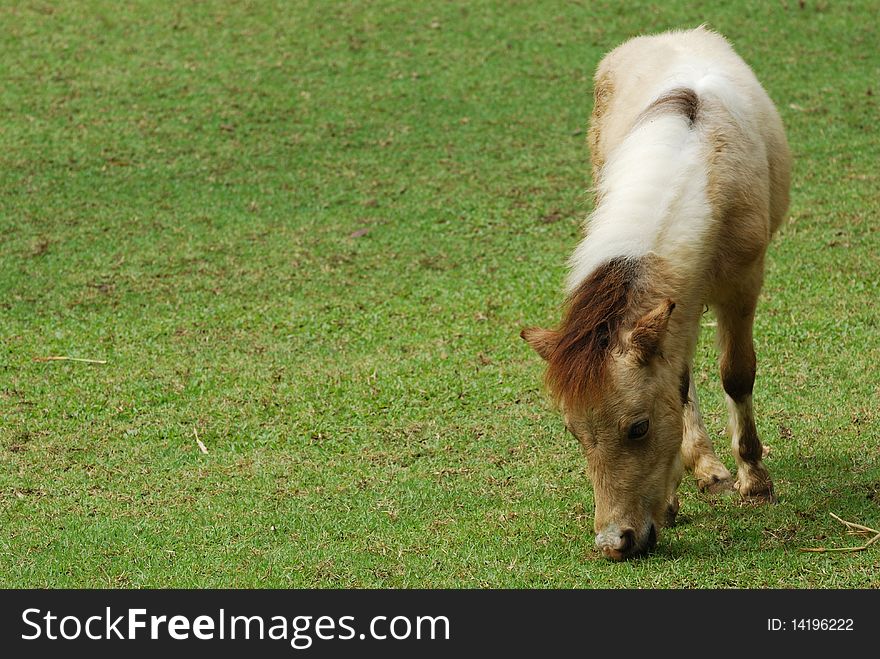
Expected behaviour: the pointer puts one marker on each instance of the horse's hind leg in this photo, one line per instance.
(735, 320)
(697, 452)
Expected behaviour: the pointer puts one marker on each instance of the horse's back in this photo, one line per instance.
(747, 153)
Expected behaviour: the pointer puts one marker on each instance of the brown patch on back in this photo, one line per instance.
(590, 330)
(682, 101)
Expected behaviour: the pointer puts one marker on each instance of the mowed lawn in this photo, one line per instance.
(307, 235)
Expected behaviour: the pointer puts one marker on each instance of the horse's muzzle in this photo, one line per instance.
(620, 544)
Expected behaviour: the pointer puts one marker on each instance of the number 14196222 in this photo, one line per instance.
(810, 624)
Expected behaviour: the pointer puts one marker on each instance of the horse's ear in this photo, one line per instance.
(647, 335)
(542, 340)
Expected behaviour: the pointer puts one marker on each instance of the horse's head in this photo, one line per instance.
(622, 399)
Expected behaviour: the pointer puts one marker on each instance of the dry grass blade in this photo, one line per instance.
(70, 359)
(852, 528)
(855, 528)
(202, 447)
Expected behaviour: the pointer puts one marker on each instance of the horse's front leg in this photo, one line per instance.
(738, 366)
(697, 451)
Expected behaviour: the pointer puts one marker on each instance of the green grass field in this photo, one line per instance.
(308, 234)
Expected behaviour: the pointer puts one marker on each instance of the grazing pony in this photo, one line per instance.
(691, 173)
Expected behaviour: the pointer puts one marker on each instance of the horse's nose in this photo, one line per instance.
(616, 543)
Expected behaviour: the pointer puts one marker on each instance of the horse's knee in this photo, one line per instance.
(738, 374)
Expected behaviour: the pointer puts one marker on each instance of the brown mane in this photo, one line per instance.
(590, 330)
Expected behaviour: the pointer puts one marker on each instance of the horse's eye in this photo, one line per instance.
(638, 430)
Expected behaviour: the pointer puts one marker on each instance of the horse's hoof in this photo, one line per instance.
(716, 485)
(758, 493)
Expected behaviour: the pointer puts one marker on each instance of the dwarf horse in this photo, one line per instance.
(691, 172)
